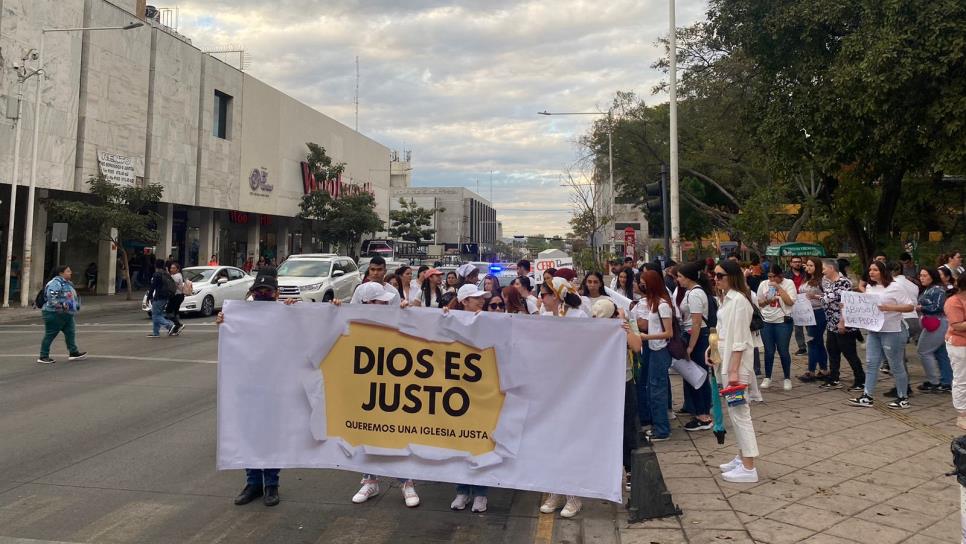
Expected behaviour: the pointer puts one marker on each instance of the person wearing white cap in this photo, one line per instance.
(471, 298)
(468, 273)
(374, 293)
(377, 274)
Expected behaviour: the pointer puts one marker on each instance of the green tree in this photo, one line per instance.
(351, 217)
(411, 222)
(113, 213)
(321, 165)
(862, 92)
(314, 211)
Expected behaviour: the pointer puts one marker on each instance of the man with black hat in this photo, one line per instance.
(260, 481)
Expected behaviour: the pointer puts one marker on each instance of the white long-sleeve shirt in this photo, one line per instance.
(734, 331)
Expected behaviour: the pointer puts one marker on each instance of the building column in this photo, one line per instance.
(165, 230)
(281, 240)
(254, 233)
(207, 236)
(38, 252)
(107, 266)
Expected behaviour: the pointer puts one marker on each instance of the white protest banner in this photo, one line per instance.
(542, 265)
(802, 313)
(861, 311)
(120, 169)
(523, 402)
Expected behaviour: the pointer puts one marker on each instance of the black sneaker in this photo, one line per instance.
(77, 356)
(247, 495)
(801, 351)
(45, 360)
(927, 387)
(885, 370)
(831, 385)
(864, 401)
(899, 404)
(945, 389)
(697, 425)
(176, 330)
(892, 393)
(271, 495)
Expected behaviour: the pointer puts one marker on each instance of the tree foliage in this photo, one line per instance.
(113, 213)
(412, 222)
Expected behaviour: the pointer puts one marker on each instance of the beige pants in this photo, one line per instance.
(957, 357)
(741, 420)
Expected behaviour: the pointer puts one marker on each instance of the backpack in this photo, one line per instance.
(712, 319)
(41, 299)
(168, 288)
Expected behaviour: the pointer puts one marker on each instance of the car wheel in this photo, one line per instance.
(208, 306)
(328, 296)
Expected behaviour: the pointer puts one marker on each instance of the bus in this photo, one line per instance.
(392, 250)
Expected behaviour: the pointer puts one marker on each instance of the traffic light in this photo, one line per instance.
(655, 198)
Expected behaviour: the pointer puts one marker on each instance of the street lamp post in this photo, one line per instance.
(673, 111)
(31, 192)
(609, 197)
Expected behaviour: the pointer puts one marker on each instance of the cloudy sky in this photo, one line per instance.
(458, 83)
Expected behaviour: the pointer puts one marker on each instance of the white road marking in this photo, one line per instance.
(94, 357)
(144, 330)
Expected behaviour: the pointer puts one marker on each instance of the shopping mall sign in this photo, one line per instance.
(258, 182)
(334, 186)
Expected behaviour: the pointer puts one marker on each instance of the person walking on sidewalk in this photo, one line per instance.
(60, 306)
(799, 276)
(931, 344)
(159, 294)
(182, 288)
(839, 340)
(813, 288)
(955, 310)
(776, 298)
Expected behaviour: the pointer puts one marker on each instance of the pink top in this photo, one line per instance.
(955, 310)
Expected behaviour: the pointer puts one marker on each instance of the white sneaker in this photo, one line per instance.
(766, 383)
(479, 504)
(571, 508)
(787, 385)
(731, 465)
(460, 502)
(741, 475)
(553, 502)
(369, 489)
(671, 415)
(409, 494)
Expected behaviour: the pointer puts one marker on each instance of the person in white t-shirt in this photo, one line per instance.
(775, 300)
(890, 340)
(658, 329)
(695, 312)
(377, 274)
(592, 290)
(524, 286)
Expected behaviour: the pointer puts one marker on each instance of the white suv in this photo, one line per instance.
(317, 277)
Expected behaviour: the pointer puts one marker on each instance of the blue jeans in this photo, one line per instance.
(935, 358)
(157, 316)
(261, 476)
(893, 346)
(817, 356)
(657, 391)
(777, 335)
(472, 490)
(699, 400)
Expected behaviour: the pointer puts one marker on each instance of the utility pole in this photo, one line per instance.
(673, 102)
(357, 93)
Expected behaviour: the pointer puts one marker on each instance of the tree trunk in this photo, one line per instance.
(127, 270)
(891, 191)
(798, 225)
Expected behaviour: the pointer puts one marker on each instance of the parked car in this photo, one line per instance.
(211, 287)
(318, 277)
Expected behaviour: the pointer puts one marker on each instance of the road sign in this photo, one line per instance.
(58, 232)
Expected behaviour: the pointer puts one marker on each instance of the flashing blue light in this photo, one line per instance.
(496, 268)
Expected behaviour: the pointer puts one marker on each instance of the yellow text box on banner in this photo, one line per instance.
(387, 389)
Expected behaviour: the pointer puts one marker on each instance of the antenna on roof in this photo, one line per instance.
(357, 93)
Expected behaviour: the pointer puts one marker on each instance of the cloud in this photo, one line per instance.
(458, 83)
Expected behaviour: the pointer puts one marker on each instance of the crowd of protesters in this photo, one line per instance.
(721, 316)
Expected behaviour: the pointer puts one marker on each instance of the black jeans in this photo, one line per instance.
(839, 344)
(632, 427)
(171, 310)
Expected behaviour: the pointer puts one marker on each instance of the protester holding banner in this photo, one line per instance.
(376, 273)
(695, 313)
(515, 304)
(955, 310)
(592, 290)
(775, 298)
(735, 346)
(416, 285)
(452, 282)
(429, 292)
(524, 286)
(470, 298)
(812, 286)
(931, 345)
(839, 340)
(889, 340)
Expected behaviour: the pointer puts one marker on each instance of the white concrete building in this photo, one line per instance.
(225, 146)
(467, 218)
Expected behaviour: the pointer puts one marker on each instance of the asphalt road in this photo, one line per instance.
(121, 448)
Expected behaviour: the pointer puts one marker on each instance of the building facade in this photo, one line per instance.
(147, 106)
(466, 218)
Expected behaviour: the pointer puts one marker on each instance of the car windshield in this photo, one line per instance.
(197, 275)
(305, 269)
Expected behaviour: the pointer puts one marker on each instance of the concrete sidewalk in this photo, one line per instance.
(91, 306)
(829, 473)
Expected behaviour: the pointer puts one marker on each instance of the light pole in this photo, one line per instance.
(31, 192)
(673, 110)
(609, 197)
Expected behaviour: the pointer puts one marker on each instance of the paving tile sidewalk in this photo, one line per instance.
(829, 473)
(91, 306)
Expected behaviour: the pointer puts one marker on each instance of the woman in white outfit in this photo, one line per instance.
(735, 346)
